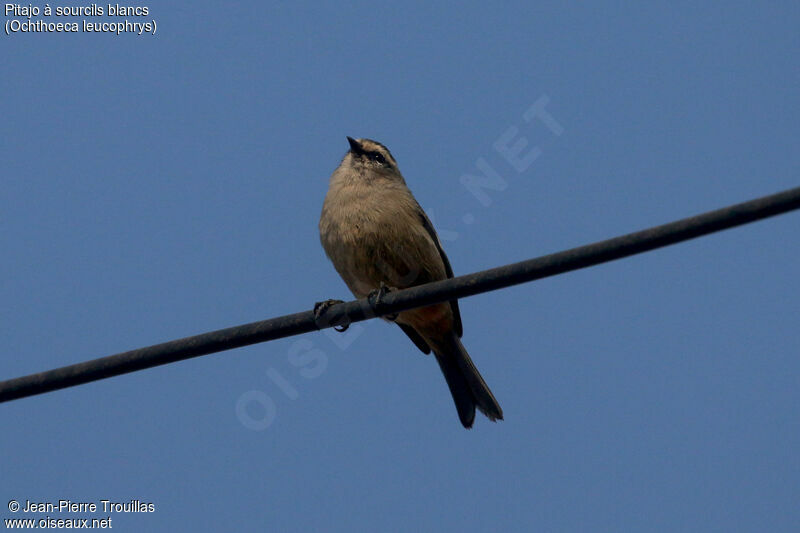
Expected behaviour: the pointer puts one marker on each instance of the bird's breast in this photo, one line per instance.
(375, 237)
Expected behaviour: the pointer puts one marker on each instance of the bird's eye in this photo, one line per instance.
(378, 158)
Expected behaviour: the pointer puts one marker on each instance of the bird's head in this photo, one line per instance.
(368, 157)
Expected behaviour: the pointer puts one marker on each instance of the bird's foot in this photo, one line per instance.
(375, 299)
(319, 311)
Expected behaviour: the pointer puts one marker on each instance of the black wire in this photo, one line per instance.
(393, 302)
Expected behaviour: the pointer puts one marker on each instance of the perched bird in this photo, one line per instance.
(377, 235)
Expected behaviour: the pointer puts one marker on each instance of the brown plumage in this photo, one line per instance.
(375, 232)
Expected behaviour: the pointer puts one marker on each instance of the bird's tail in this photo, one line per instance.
(468, 388)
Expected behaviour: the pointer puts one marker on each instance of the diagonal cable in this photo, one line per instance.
(393, 302)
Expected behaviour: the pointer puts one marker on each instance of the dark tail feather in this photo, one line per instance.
(468, 388)
(459, 388)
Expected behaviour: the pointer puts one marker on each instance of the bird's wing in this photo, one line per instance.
(447, 268)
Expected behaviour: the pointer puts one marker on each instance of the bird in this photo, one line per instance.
(379, 238)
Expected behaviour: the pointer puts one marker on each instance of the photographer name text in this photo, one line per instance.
(104, 506)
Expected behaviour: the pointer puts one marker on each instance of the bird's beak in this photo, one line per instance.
(354, 146)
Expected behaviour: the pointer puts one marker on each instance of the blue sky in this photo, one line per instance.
(159, 186)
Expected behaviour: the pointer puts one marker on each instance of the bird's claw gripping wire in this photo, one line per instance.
(319, 311)
(375, 299)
